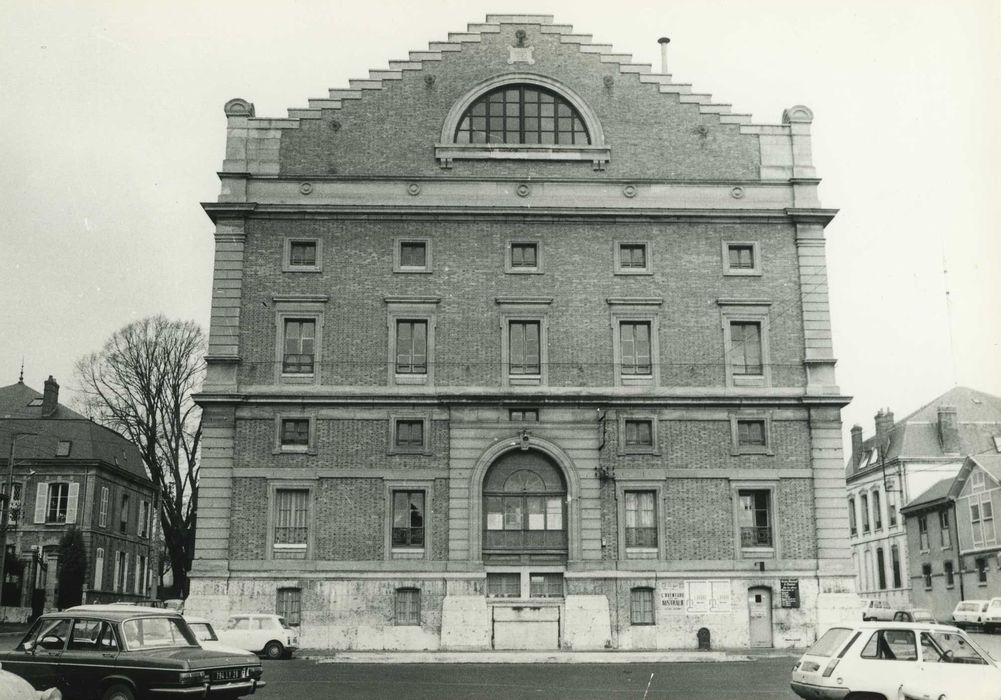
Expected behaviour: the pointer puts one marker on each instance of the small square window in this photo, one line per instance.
(302, 254)
(741, 258)
(413, 255)
(641, 606)
(638, 433)
(632, 256)
(524, 415)
(409, 434)
(295, 433)
(751, 433)
(525, 256)
(63, 448)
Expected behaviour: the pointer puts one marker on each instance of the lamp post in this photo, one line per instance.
(5, 512)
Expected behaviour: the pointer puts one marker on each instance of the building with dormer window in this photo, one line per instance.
(520, 344)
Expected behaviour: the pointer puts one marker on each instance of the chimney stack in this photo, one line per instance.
(948, 429)
(663, 41)
(856, 447)
(50, 398)
(884, 423)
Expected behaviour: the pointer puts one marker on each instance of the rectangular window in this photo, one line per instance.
(982, 519)
(864, 504)
(891, 507)
(981, 566)
(751, 433)
(755, 518)
(121, 572)
(123, 515)
(524, 351)
(745, 348)
(413, 255)
(926, 575)
(299, 346)
(740, 256)
(408, 519)
(639, 433)
(641, 519)
(409, 434)
(641, 606)
(944, 531)
(880, 569)
(295, 433)
(895, 565)
(408, 606)
(411, 346)
(523, 415)
(950, 574)
(524, 255)
(877, 511)
(14, 506)
(545, 585)
(289, 605)
(98, 568)
(852, 525)
(634, 344)
(102, 520)
(58, 502)
(504, 585)
(923, 532)
(140, 575)
(632, 256)
(302, 254)
(63, 448)
(291, 518)
(143, 518)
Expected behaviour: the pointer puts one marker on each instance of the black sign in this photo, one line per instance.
(789, 592)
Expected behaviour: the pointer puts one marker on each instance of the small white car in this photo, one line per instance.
(260, 633)
(969, 613)
(13, 687)
(895, 660)
(876, 610)
(992, 616)
(207, 637)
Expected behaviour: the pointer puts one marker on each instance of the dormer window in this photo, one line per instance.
(522, 114)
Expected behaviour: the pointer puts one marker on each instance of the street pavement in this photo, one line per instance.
(759, 679)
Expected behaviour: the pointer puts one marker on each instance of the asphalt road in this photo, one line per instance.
(761, 679)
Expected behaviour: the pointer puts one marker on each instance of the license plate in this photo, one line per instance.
(227, 674)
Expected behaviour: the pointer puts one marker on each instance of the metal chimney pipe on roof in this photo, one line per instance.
(663, 41)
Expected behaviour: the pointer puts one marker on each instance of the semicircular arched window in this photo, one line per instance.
(522, 114)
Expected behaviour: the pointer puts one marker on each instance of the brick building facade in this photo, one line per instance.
(519, 343)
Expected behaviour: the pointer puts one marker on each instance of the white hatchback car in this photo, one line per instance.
(260, 633)
(876, 610)
(894, 660)
(208, 639)
(969, 613)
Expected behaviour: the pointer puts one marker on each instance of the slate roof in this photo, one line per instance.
(916, 436)
(938, 493)
(88, 440)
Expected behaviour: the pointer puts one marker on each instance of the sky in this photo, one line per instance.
(112, 131)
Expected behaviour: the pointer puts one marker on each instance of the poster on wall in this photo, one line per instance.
(720, 601)
(672, 596)
(698, 594)
(789, 592)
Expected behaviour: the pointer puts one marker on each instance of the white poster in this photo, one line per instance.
(698, 594)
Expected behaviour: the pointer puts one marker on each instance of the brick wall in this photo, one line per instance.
(698, 519)
(350, 519)
(795, 519)
(393, 130)
(468, 264)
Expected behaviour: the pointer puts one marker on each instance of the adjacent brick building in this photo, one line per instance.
(71, 472)
(519, 343)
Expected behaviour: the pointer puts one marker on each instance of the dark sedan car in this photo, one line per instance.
(105, 652)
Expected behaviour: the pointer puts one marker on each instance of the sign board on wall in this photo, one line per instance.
(789, 592)
(672, 596)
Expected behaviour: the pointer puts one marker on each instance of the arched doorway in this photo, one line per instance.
(524, 510)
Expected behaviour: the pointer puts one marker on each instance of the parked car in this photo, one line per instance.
(914, 615)
(882, 660)
(208, 639)
(876, 610)
(969, 613)
(262, 634)
(992, 617)
(117, 652)
(13, 687)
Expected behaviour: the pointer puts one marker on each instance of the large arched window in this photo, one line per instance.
(522, 114)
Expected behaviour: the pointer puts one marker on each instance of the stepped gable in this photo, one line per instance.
(371, 147)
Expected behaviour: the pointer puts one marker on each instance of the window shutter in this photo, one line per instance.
(71, 503)
(40, 501)
(98, 568)
(118, 570)
(138, 572)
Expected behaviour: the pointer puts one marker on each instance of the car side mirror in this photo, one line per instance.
(51, 643)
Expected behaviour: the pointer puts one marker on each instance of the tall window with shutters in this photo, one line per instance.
(99, 568)
(291, 524)
(56, 502)
(524, 356)
(411, 346)
(123, 515)
(14, 507)
(634, 346)
(102, 517)
(745, 348)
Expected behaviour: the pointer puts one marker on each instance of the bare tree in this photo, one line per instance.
(141, 384)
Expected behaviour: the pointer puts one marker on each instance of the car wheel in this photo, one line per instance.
(119, 691)
(274, 650)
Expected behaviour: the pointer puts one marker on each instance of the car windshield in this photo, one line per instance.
(154, 632)
(948, 647)
(203, 631)
(284, 624)
(830, 642)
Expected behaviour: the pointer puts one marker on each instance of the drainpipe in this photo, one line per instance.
(959, 556)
